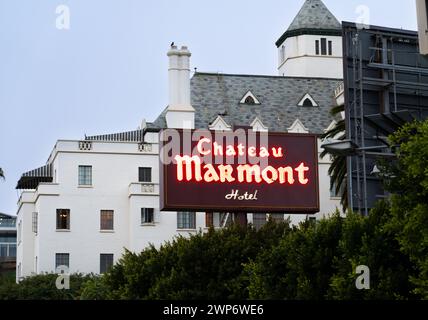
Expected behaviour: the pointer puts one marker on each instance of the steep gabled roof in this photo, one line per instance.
(215, 94)
(313, 18)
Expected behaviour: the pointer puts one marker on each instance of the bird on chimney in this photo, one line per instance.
(172, 44)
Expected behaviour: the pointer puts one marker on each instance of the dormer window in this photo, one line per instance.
(250, 99)
(220, 124)
(307, 101)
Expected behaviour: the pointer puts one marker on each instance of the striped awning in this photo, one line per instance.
(31, 179)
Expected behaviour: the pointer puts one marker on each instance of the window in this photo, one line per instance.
(35, 222)
(277, 217)
(62, 259)
(307, 103)
(317, 47)
(330, 48)
(63, 219)
(323, 46)
(336, 193)
(19, 232)
(106, 220)
(259, 220)
(106, 262)
(147, 215)
(186, 220)
(282, 53)
(209, 219)
(85, 175)
(145, 174)
(250, 100)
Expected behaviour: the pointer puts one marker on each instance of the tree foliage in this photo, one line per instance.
(207, 266)
(407, 179)
(42, 287)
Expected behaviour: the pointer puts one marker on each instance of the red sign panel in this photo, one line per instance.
(239, 171)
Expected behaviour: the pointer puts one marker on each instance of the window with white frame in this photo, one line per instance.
(35, 222)
(186, 220)
(144, 174)
(106, 262)
(62, 259)
(85, 175)
(63, 219)
(107, 220)
(323, 47)
(147, 215)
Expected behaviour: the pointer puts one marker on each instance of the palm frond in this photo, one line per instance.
(338, 169)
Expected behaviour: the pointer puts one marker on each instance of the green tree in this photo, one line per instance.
(95, 289)
(42, 287)
(368, 241)
(206, 266)
(300, 266)
(407, 179)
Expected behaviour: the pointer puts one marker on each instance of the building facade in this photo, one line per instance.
(7, 242)
(99, 195)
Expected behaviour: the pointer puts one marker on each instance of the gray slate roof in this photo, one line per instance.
(315, 15)
(220, 94)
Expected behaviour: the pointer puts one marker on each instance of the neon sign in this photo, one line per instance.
(239, 171)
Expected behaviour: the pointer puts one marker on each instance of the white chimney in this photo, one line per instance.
(180, 113)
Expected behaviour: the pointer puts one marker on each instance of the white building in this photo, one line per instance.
(99, 195)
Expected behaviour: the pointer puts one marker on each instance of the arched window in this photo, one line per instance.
(307, 103)
(250, 100)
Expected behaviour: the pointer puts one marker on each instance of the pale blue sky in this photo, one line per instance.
(109, 71)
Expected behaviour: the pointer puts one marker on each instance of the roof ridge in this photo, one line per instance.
(263, 76)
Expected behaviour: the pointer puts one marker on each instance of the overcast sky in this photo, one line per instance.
(109, 70)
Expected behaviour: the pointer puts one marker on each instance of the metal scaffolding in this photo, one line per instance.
(386, 86)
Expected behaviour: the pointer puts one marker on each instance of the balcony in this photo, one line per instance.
(7, 223)
(7, 251)
(143, 189)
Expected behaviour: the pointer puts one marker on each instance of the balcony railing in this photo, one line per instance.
(7, 223)
(143, 188)
(7, 250)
